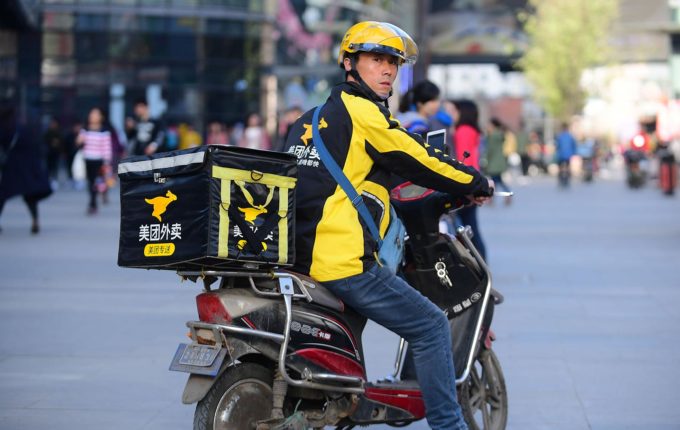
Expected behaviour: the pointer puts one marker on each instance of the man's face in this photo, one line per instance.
(141, 110)
(378, 71)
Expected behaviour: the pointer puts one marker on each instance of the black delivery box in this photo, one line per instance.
(207, 208)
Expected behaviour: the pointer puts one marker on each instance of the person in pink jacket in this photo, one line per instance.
(467, 140)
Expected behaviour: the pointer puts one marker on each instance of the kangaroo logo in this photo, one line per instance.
(308, 131)
(160, 204)
(252, 213)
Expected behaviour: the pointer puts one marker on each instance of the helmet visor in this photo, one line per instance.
(408, 56)
(386, 38)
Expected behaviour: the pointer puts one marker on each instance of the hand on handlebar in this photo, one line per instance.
(480, 198)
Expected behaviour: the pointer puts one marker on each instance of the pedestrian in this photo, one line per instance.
(22, 168)
(54, 148)
(444, 119)
(130, 130)
(217, 134)
(147, 136)
(172, 136)
(254, 135)
(565, 148)
(334, 246)
(467, 140)
(417, 106)
(188, 136)
(523, 148)
(495, 154)
(96, 143)
(286, 123)
(71, 148)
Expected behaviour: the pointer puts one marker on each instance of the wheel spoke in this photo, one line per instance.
(494, 401)
(486, 418)
(476, 400)
(475, 380)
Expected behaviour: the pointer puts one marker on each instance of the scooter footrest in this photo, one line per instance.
(394, 385)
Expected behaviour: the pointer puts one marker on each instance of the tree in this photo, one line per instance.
(566, 37)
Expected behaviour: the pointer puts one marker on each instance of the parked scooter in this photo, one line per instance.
(274, 349)
(636, 161)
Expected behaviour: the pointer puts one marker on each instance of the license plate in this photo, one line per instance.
(199, 355)
(199, 359)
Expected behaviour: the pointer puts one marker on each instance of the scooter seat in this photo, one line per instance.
(320, 294)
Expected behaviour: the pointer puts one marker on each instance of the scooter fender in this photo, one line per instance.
(197, 386)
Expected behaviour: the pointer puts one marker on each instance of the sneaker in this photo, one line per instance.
(91, 211)
(35, 228)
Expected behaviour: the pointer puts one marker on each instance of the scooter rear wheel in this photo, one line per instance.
(240, 398)
(483, 396)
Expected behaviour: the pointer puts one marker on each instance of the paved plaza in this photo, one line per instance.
(588, 335)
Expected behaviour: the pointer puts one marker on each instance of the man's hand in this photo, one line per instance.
(480, 200)
(151, 149)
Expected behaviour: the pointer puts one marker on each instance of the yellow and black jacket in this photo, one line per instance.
(369, 145)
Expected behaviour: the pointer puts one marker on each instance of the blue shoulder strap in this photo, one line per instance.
(341, 179)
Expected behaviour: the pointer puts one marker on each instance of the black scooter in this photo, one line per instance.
(275, 350)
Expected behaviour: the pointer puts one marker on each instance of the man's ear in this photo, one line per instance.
(347, 63)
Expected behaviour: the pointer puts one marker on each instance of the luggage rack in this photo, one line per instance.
(286, 288)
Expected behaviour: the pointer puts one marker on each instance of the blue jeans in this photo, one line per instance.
(391, 302)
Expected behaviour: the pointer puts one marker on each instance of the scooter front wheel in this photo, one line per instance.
(240, 398)
(483, 396)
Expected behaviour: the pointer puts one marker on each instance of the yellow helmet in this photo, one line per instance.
(382, 37)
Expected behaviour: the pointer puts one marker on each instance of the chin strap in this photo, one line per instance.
(355, 74)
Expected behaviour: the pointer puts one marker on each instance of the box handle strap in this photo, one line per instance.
(253, 240)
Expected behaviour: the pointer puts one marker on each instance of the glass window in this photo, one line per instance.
(8, 69)
(58, 72)
(160, 48)
(153, 24)
(57, 44)
(8, 43)
(134, 47)
(58, 21)
(92, 46)
(183, 74)
(92, 22)
(252, 5)
(224, 27)
(122, 73)
(124, 22)
(220, 47)
(93, 73)
(184, 25)
(181, 47)
(191, 3)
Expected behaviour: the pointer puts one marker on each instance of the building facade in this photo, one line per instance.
(192, 60)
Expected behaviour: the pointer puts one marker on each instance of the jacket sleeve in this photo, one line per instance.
(407, 155)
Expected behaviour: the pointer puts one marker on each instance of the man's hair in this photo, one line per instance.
(141, 102)
(422, 92)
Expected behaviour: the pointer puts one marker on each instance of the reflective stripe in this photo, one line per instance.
(161, 163)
